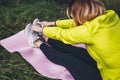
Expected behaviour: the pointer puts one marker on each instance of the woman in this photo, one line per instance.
(97, 28)
(75, 59)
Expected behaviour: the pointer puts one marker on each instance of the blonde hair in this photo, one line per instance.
(84, 10)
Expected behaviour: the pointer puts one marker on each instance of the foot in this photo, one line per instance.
(31, 35)
(36, 22)
(38, 43)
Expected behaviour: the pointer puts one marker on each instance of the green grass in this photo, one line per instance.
(13, 67)
(113, 4)
(14, 18)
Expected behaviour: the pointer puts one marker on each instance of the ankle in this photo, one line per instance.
(37, 43)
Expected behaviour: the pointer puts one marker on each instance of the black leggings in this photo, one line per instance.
(76, 60)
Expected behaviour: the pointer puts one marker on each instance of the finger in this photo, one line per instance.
(38, 22)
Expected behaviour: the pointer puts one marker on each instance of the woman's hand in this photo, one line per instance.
(41, 25)
(36, 28)
(47, 24)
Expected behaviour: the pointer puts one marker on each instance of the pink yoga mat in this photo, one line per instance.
(34, 56)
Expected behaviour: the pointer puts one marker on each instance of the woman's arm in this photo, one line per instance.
(48, 24)
(67, 23)
(74, 35)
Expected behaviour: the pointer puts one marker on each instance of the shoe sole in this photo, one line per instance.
(27, 30)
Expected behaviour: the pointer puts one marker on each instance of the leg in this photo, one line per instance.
(76, 51)
(77, 67)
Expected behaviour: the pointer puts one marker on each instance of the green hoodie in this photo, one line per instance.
(101, 37)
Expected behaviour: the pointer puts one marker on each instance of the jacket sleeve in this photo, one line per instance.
(67, 23)
(69, 36)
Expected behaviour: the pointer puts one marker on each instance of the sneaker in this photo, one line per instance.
(35, 22)
(39, 33)
(32, 36)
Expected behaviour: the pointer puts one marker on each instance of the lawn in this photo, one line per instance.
(14, 15)
(13, 18)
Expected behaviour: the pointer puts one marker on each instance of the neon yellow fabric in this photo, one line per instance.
(101, 36)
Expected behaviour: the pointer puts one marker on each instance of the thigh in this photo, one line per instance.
(79, 69)
(76, 51)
